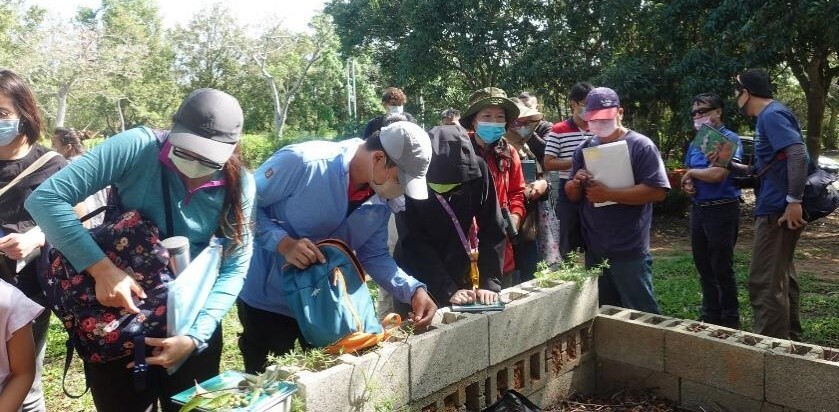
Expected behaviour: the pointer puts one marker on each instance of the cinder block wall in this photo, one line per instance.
(541, 344)
(705, 367)
(549, 343)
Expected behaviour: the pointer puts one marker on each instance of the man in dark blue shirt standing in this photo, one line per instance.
(781, 158)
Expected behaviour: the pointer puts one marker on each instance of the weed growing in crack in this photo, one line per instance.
(569, 270)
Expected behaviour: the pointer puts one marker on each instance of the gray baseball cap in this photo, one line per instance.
(409, 147)
(208, 123)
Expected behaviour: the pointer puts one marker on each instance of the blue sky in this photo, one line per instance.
(294, 13)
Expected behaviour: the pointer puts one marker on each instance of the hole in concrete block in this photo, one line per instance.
(799, 349)
(556, 358)
(635, 315)
(775, 344)
(518, 375)
(610, 311)
(720, 333)
(488, 390)
(430, 408)
(830, 355)
(571, 347)
(673, 324)
(696, 327)
(654, 320)
(419, 330)
(750, 340)
(452, 317)
(450, 402)
(501, 383)
(511, 296)
(535, 368)
(473, 397)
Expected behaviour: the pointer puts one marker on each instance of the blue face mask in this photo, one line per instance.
(490, 132)
(9, 130)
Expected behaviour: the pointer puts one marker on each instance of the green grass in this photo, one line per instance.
(54, 366)
(677, 289)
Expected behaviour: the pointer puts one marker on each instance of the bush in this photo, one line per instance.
(256, 148)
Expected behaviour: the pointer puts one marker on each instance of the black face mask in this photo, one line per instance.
(741, 109)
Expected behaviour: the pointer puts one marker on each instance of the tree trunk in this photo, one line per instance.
(61, 109)
(830, 132)
(121, 115)
(816, 101)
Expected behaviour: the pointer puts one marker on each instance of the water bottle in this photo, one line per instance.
(178, 247)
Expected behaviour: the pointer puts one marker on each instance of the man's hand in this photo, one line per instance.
(687, 184)
(19, 245)
(300, 252)
(536, 189)
(114, 287)
(462, 297)
(582, 177)
(793, 215)
(597, 192)
(486, 297)
(423, 308)
(168, 352)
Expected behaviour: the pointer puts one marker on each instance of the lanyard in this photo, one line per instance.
(471, 252)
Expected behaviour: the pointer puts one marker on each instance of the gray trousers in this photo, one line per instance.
(773, 283)
(34, 401)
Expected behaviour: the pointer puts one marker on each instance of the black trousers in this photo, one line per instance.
(263, 333)
(112, 384)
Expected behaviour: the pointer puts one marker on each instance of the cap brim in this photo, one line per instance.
(414, 187)
(602, 114)
(210, 149)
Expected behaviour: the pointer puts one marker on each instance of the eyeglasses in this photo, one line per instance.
(522, 123)
(702, 110)
(183, 154)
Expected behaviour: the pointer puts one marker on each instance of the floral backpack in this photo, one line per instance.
(99, 333)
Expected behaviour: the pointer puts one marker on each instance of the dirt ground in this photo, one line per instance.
(817, 252)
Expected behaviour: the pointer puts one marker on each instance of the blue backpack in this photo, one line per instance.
(332, 304)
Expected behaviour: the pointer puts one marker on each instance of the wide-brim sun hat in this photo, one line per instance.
(486, 97)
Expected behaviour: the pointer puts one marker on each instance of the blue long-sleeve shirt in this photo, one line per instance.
(131, 162)
(302, 192)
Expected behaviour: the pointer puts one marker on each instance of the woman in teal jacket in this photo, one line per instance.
(209, 190)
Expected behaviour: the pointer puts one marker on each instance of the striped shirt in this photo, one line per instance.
(562, 140)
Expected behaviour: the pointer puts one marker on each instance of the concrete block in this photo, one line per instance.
(771, 407)
(802, 382)
(702, 398)
(447, 354)
(318, 389)
(539, 316)
(577, 380)
(702, 353)
(638, 341)
(614, 376)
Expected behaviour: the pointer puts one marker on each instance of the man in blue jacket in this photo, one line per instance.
(316, 190)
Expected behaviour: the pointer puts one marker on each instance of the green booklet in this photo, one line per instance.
(478, 307)
(221, 388)
(717, 148)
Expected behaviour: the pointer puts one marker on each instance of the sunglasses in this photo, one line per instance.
(183, 154)
(702, 110)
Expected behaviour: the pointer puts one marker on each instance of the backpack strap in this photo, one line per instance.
(29, 170)
(68, 359)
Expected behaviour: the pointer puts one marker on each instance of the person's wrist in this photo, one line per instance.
(791, 200)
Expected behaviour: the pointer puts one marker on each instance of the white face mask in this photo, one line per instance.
(387, 190)
(190, 168)
(603, 128)
(394, 109)
(697, 123)
(524, 131)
